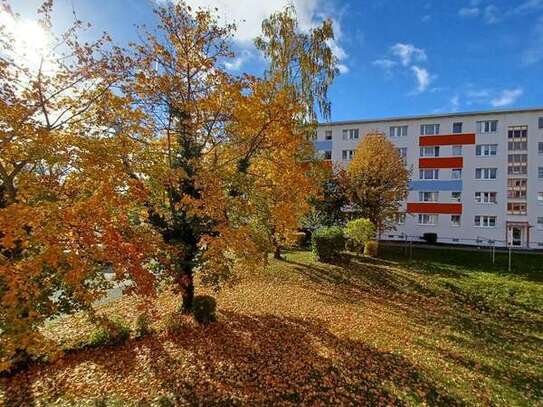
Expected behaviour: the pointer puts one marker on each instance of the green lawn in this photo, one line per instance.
(364, 331)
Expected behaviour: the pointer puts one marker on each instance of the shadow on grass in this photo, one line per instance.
(242, 359)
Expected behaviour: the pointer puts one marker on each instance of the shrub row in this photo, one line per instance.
(328, 242)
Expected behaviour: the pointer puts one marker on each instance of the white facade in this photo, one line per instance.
(493, 160)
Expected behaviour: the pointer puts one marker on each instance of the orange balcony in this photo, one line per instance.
(447, 139)
(435, 208)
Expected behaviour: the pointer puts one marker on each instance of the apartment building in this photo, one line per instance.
(477, 177)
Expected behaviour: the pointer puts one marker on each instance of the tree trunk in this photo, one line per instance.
(187, 281)
(188, 293)
(277, 253)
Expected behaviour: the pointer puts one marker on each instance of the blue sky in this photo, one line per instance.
(398, 57)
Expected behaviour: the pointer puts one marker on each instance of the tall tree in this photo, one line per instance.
(303, 62)
(65, 210)
(378, 180)
(223, 146)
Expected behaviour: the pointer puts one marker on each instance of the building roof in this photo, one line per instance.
(434, 115)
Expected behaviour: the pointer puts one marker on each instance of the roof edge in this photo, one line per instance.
(433, 115)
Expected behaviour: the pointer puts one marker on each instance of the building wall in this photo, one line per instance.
(467, 232)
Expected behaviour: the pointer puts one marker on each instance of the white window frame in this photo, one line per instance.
(539, 222)
(540, 198)
(456, 224)
(485, 197)
(434, 172)
(428, 196)
(484, 221)
(328, 134)
(487, 126)
(456, 199)
(456, 173)
(457, 151)
(427, 219)
(397, 131)
(486, 150)
(486, 172)
(350, 134)
(430, 151)
(429, 129)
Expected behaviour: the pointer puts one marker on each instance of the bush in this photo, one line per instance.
(328, 242)
(430, 238)
(371, 248)
(143, 325)
(109, 332)
(203, 309)
(359, 231)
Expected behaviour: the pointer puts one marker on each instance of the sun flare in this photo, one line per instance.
(31, 42)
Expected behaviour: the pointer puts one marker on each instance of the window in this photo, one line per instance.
(456, 220)
(328, 135)
(327, 155)
(485, 221)
(456, 196)
(516, 208)
(456, 173)
(347, 155)
(486, 150)
(540, 123)
(517, 133)
(457, 150)
(403, 152)
(486, 173)
(487, 126)
(486, 197)
(517, 164)
(399, 218)
(429, 174)
(398, 131)
(517, 145)
(425, 219)
(540, 223)
(540, 198)
(428, 196)
(540, 148)
(429, 151)
(540, 172)
(457, 127)
(429, 129)
(350, 134)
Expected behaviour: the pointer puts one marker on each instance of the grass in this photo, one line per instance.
(364, 331)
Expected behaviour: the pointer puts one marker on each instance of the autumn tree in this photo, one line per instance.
(378, 180)
(303, 65)
(224, 148)
(328, 205)
(65, 207)
(303, 62)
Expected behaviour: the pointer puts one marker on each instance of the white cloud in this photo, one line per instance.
(385, 63)
(529, 5)
(236, 63)
(491, 14)
(249, 14)
(534, 53)
(455, 103)
(507, 97)
(469, 12)
(423, 78)
(407, 53)
(426, 18)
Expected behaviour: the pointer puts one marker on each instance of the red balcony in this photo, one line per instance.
(435, 208)
(447, 139)
(441, 162)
